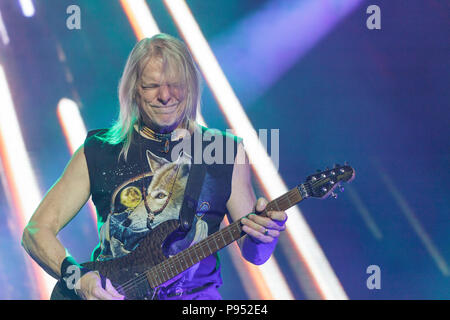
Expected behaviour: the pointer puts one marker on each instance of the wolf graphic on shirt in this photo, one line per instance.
(123, 230)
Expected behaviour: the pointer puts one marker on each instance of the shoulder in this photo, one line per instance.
(96, 144)
(96, 133)
(95, 137)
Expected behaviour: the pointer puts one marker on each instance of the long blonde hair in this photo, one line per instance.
(174, 54)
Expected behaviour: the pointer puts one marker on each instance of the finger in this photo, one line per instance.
(261, 204)
(264, 230)
(280, 217)
(265, 222)
(110, 289)
(257, 235)
(102, 294)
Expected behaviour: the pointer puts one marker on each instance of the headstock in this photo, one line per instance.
(323, 183)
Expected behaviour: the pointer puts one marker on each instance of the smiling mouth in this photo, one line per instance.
(164, 109)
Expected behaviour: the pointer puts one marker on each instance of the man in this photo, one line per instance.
(137, 181)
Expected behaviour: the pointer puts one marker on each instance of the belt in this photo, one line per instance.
(180, 292)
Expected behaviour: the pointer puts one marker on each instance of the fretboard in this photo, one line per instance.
(182, 261)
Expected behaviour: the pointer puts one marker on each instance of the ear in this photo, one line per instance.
(154, 161)
(183, 158)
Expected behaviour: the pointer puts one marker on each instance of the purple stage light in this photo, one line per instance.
(261, 48)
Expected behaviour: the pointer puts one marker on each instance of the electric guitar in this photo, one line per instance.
(141, 273)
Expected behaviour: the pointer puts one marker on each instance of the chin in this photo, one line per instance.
(164, 126)
(163, 123)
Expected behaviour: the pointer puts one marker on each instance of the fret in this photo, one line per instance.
(217, 245)
(198, 259)
(153, 282)
(238, 231)
(186, 262)
(216, 238)
(179, 259)
(200, 247)
(157, 275)
(293, 196)
(221, 234)
(175, 266)
(151, 278)
(276, 203)
(285, 201)
(164, 274)
(206, 245)
(236, 228)
(167, 272)
(210, 250)
(158, 279)
(187, 254)
(192, 261)
(178, 263)
(289, 200)
(168, 269)
(232, 237)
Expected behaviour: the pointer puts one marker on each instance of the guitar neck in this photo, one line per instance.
(185, 259)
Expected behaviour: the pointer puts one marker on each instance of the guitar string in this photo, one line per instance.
(178, 259)
(132, 283)
(142, 277)
(172, 263)
(168, 264)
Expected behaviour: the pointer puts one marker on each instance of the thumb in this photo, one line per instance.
(110, 289)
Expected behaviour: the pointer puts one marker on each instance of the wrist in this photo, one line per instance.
(71, 273)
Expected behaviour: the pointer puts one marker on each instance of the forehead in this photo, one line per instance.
(157, 70)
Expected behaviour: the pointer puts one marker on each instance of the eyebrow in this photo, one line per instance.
(151, 79)
(146, 83)
(148, 80)
(153, 82)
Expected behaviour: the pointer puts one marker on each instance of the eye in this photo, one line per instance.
(158, 194)
(150, 86)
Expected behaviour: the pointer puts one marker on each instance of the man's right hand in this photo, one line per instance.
(91, 288)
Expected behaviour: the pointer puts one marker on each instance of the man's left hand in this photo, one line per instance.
(264, 229)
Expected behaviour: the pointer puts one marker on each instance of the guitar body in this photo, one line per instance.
(154, 261)
(148, 254)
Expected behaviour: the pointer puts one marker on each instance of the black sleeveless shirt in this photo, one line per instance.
(153, 168)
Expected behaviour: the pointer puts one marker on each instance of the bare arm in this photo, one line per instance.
(61, 203)
(262, 232)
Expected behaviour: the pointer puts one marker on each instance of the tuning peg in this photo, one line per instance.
(334, 195)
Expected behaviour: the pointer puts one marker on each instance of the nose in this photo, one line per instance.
(164, 94)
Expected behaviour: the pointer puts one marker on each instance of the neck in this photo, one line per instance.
(149, 132)
(156, 135)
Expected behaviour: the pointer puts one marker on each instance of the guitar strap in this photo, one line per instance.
(191, 194)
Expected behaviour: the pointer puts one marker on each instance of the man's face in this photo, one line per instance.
(160, 98)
